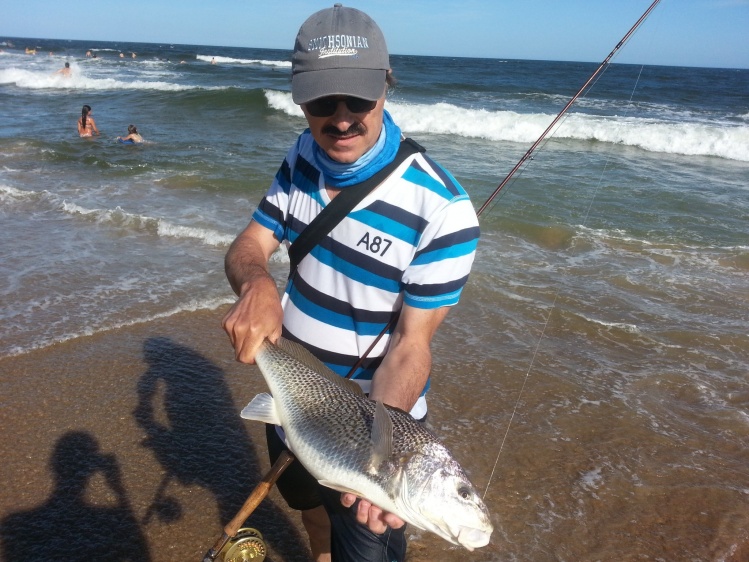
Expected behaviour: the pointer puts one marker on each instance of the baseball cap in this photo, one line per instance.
(339, 51)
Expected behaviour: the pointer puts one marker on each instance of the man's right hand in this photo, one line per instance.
(258, 313)
(255, 316)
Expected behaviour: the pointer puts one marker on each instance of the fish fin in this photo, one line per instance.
(262, 408)
(382, 437)
(301, 354)
(338, 487)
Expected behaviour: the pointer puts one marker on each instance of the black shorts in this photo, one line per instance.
(297, 486)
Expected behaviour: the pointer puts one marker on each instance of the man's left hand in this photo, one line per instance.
(372, 516)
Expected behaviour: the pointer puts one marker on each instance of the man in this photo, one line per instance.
(65, 70)
(406, 249)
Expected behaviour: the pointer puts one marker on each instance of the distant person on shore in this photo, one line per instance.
(86, 124)
(65, 70)
(132, 137)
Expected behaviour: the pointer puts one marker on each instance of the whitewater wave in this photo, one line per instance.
(230, 60)
(720, 140)
(119, 218)
(8, 193)
(159, 226)
(281, 101)
(77, 81)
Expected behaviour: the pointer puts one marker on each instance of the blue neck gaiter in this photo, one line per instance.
(341, 175)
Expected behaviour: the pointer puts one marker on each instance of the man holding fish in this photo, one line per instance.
(404, 251)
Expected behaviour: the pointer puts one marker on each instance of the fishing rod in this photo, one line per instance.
(525, 157)
(593, 76)
(251, 541)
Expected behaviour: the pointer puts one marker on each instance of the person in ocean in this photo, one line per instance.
(65, 70)
(133, 137)
(86, 123)
(406, 254)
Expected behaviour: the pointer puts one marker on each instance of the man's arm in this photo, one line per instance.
(398, 382)
(257, 314)
(404, 371)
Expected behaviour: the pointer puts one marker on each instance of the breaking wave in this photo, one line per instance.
(729, 141)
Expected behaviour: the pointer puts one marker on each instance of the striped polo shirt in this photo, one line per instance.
(412, 240)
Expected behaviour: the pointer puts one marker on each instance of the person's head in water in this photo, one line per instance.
(132, 130)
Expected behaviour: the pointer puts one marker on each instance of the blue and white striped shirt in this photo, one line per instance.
(412, 240)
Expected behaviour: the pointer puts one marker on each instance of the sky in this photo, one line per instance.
(707, 33)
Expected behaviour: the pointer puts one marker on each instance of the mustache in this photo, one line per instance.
(355, 129)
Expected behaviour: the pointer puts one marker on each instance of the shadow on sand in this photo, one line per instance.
(192, 427)
(68, 527)
(194, 430)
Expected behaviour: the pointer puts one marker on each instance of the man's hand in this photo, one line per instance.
(372, 516)
(257, 314)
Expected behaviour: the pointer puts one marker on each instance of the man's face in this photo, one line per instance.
(346, 135)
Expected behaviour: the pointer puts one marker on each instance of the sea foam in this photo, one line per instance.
(722, 140)
(77, 81)
(189, 306)
(230, 60)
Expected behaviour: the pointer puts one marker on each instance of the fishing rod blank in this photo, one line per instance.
(598, 70)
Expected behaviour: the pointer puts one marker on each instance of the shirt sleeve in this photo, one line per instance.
(272, 212)
(444, 256)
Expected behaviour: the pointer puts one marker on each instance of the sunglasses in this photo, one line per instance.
(327, 106)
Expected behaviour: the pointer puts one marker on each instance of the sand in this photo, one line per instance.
(128, 445)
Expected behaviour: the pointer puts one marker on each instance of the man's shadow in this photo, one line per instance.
(196, 433)
(68, 527)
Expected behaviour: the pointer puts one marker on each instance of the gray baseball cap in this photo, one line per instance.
(339, 51)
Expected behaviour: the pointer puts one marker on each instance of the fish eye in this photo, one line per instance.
(464, 492)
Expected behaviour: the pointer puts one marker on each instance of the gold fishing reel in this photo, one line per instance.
(246, 546)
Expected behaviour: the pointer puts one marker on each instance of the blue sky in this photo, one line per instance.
(679, 32)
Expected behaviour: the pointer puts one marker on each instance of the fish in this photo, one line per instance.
(353, 444)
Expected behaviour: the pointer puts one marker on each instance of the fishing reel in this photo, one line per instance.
(246, 546)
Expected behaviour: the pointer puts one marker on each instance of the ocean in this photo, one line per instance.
(593, 380)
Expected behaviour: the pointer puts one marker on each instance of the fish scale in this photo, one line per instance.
(353, 444)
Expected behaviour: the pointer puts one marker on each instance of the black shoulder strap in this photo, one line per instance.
(342, 205)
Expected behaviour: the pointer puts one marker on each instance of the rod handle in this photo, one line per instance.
(258, 495)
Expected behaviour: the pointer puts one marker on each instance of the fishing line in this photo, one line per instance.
(527, 156)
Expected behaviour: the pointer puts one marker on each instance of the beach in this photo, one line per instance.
(592, 380)
(161, 399)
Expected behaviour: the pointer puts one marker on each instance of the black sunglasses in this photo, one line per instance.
(327, 106)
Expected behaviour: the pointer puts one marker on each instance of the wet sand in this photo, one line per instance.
(128, 445)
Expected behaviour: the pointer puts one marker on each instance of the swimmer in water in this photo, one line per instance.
(65, 71)
(86, 124)
(132, 136)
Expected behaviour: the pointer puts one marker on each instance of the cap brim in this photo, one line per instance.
(361, 83)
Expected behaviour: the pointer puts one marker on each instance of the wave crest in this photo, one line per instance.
(77, 81)
(729, 141)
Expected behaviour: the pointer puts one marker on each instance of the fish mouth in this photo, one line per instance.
(471, 538)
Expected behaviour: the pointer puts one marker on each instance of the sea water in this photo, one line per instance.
(601, 341)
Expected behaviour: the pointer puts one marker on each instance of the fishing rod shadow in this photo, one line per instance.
(68, 526)
(195, 432)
